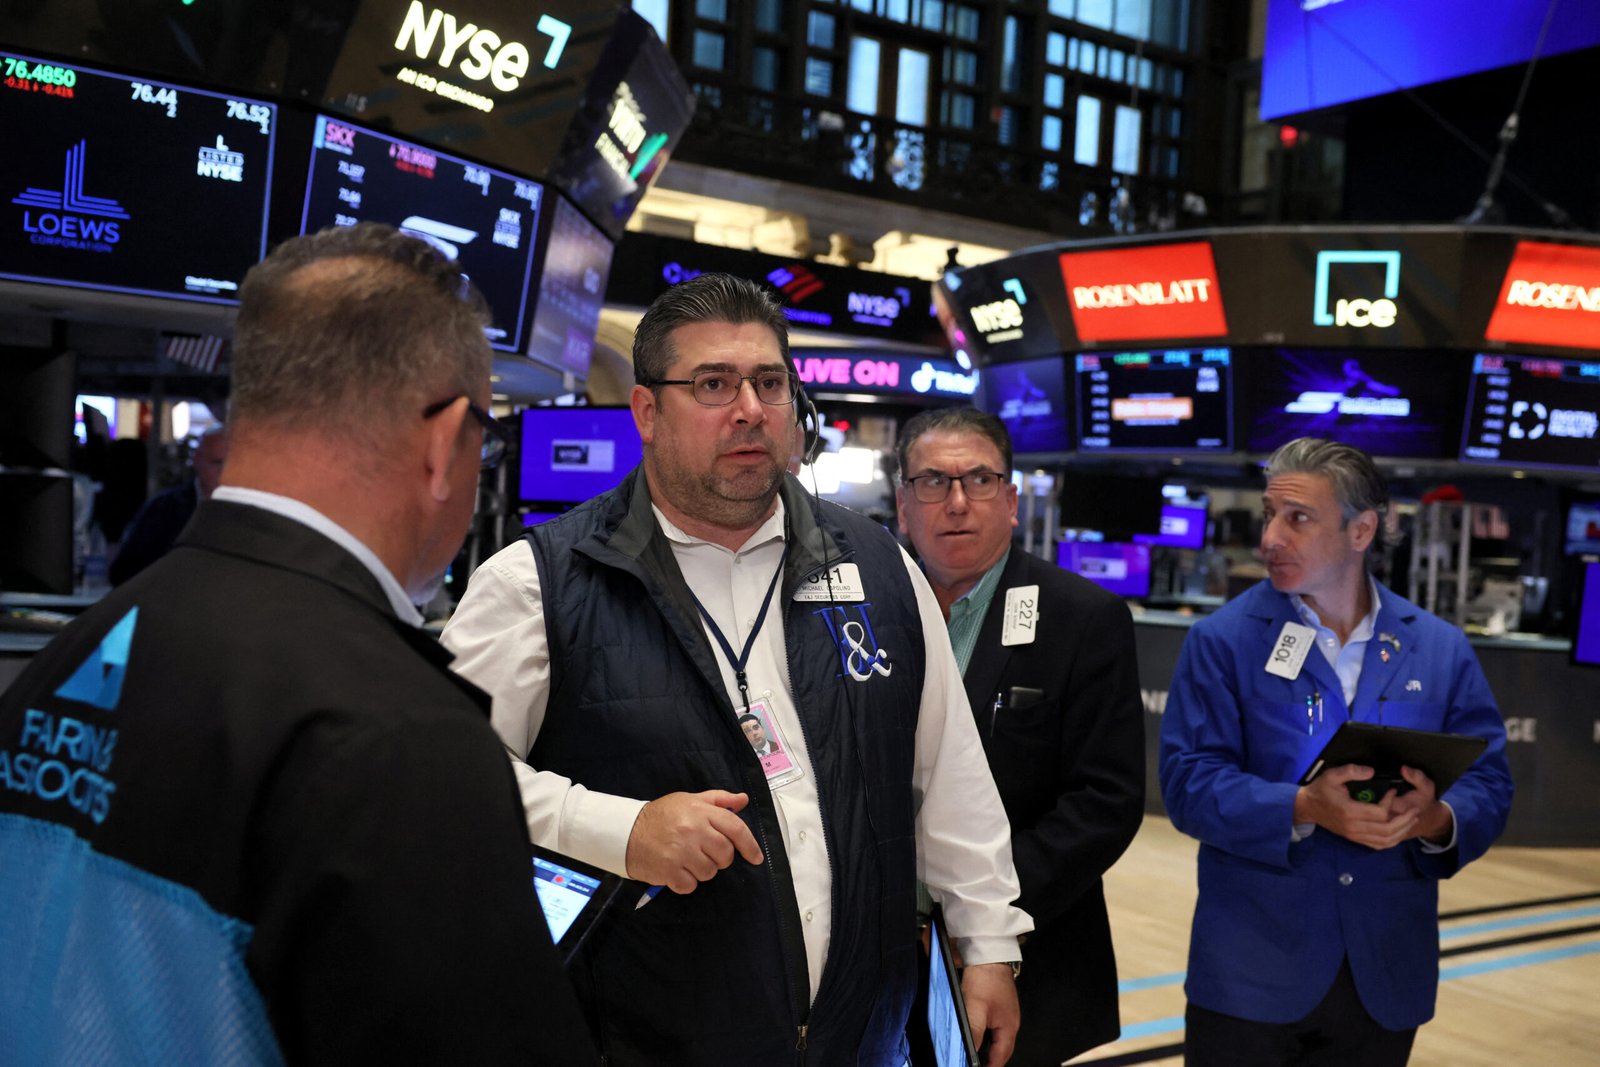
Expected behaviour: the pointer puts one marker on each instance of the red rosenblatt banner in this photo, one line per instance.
(1550, 296)
(1168, 292)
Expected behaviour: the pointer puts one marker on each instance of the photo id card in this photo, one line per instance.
(760, 728)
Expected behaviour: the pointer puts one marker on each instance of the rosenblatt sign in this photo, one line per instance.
(1168, 292)
(1550, 296)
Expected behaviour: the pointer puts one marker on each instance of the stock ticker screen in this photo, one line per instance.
(1527, 411)
(130, 185)
(483, 219)
(1177, 400)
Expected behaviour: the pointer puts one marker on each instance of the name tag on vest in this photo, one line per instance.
(841, 582)
(1021, 623)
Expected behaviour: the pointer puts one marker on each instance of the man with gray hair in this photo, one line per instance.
(623, 640)
(1315, 936)
(250, 814)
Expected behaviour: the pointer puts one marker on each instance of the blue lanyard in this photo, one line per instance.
(738, 662)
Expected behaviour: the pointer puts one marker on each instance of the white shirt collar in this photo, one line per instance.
(306, 515)
(1363, 629)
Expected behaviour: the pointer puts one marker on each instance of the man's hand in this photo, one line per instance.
(1383, 825)
(683, 839)
(992, 1009)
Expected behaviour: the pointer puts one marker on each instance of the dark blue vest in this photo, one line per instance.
(637, 708)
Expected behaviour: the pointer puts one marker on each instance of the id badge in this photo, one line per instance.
(1021, 617)
(1289, 650)
(770, 744)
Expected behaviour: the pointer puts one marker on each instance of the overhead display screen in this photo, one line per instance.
(572, 454)
(1121, 568)
(1529, 412)
(1178, 400)
(130, 185)
(572, 290)
(483, 219)
(1144, 294)
(1007, 309)
(1031, 399)
(1549, 296)
(1402, 404)
(1324, 52)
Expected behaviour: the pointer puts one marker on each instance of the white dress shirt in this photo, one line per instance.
(963, 837)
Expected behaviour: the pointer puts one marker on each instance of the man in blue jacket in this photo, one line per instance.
(1315, 934)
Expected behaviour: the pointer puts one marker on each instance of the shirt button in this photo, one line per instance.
(802, 837)
(737, 560)
(808, 916)
(1346, 878)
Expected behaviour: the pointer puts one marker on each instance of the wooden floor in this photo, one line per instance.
(1520, 977)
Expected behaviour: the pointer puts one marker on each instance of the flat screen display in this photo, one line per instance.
(572, 454)
(1403, 404)
(563, 893)
(1583, 528)
(1031, 399)
(1118, 567)
(1324, 52)
(1181, 527)
(483, 219)
(1524, 411)
(1173, 400)
(572, 290)
(1586, 643)
(130, 185)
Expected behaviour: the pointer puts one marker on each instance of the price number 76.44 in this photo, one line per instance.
(161, 96)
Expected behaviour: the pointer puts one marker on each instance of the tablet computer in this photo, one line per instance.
(573, 896)
(1442, 757)
(948, 1026)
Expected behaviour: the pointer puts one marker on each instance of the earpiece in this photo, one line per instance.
(805, 414)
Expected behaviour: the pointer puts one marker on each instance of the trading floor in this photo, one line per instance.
(1519, 933)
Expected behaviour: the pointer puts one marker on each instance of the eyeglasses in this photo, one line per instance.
(496, 434)
(977, 485)
(719, 388)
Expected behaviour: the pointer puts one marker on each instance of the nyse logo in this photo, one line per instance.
(1360, 312)
(70, 217)
(504, 63)
(220, 162)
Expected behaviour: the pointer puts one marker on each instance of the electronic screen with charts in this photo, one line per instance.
(128, 184)
(572, 290)
(572, 454)
(1031, 399)
(483, 219)
(1525, 411)
(1177, 400)
(1115, 566)
(1387, 403)
(948, 1026)
(1586, 643)
(573, 897)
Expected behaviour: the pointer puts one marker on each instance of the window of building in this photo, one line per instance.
(1125, 139)
(1011, 62)
(708, 49)
(1055, 49)
(1097, 13)
(957, 109)
(911, 88)
(1066, 9)
(819, 29)
(1055, 91)
(861, 85)
(764, 68)
(960, 66)
(1050, 133)
(655, 12)
(714, 10)
(962, 22)
(769, 16)
(819, 76)
(1086, 135)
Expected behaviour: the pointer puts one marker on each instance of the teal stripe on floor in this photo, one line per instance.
(1505, 963)
(1133, 985)
(1516, 922)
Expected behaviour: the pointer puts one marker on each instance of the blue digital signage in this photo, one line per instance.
(1031, 399)
(1325, 52)
(129, 184)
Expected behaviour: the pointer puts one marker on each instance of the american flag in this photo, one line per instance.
(203, 352)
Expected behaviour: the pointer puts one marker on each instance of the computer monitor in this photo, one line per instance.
(1583, 528)
(1116, 566)
(570, 454)
(1533, 412)
(1586, 642)
(1173, 400)
(1030, 397)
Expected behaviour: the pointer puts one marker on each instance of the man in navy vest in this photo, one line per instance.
(623, 641)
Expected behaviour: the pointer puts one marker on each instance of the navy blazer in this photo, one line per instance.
(1070, 768)
(1274, 919)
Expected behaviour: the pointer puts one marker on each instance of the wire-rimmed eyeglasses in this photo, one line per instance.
(719, 388)
(934, 487)
(496, 434)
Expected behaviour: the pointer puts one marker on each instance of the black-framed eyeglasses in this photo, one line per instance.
(979, 485)
(719, 388)
(496, 434)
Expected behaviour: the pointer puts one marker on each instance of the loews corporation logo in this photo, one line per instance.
(1359, 312)
(69, 217)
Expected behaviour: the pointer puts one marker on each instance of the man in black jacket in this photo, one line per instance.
(249, 815)
(1048, 662)
(157, 524)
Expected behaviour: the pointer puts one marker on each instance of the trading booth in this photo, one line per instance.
(1144, 375)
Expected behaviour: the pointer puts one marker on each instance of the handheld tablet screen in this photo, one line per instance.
(563, 894)
(947, 1010)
